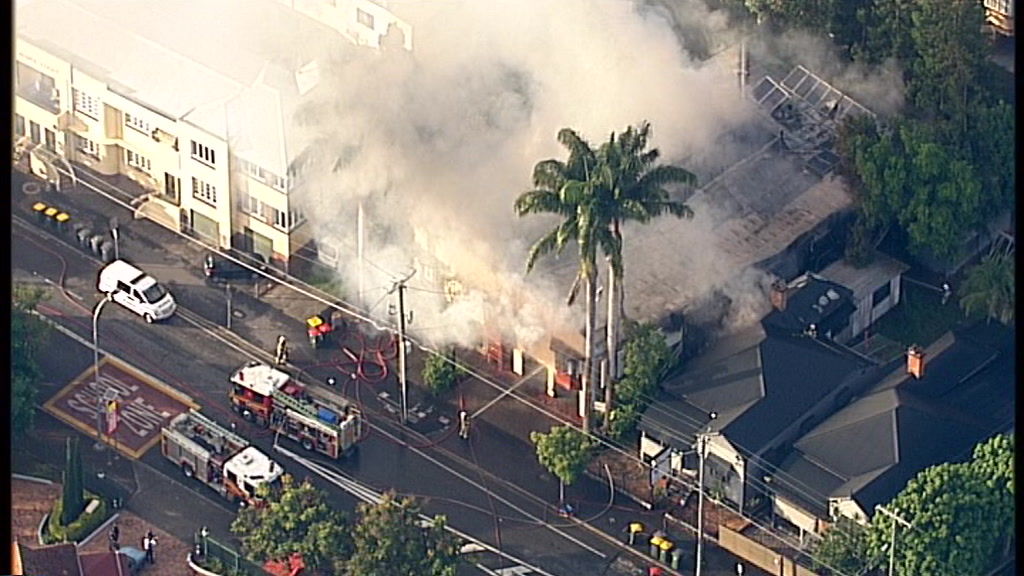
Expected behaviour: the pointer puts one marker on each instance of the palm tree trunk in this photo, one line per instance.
(588, 361)
(612, 330)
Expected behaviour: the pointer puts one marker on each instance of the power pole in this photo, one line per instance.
(399, 285)
(892, 539)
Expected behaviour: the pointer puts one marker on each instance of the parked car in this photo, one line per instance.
(137, 291)
(218, 269)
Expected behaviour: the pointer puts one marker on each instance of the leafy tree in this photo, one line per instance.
(295, 519)
(73, 489)
(634, 186)
(646, 358)
(961, 517)
(440, 373)
(389, 540)
(887, 29)
(567, 190)
(989, 289)
(565, 452)
(949, 50)
(28, 336)
(990, 149)
(843, 548)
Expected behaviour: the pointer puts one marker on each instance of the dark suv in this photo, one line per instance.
(218, 269)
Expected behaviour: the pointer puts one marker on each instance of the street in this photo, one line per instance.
(489, 487)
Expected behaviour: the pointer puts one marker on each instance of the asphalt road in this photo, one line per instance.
(490, 487)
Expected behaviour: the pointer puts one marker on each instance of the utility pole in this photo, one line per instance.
(892, 538)
(227, 290)
(702, 447)
(399, 285)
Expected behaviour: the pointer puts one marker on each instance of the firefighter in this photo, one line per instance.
(281, 354)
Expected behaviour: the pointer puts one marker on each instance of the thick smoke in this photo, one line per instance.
(437, 143)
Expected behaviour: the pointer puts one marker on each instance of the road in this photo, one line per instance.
(489, 487)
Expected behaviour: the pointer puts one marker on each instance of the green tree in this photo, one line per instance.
(440, 373)
(73, 489)
(635, 186)
(843, 547)
(567, 190)
(887, 29)
(391, 540)
(961, 519)
(989, 289)
(295, 519)
(28, 336)
(565, 452)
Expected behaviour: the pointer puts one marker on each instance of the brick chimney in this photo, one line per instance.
(778, 294)
(915, 362)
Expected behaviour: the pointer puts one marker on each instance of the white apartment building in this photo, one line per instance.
(197, 112)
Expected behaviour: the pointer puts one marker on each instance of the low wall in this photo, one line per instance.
(759, 555)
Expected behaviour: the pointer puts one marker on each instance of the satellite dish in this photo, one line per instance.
(832, 294)
(823, 301)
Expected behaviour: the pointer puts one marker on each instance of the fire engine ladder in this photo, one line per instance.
(197, 418)
(293, 403)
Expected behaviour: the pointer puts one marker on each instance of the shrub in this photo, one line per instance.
(440, 373)
(80, 527)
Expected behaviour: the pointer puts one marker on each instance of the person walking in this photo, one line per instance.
(115, 535)
(281, 353)
(149, 544)
(146, 547)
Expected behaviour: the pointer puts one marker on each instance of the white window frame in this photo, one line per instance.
(248, 204)
(204, 191)
(203, 154)
(365, 18)
(86, 146)
(134, 122)
(287, 221)
(87, 104)
(137, 161)
(20, 125)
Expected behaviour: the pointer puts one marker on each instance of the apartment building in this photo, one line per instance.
(201, 122)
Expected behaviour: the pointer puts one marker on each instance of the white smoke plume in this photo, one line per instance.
(437, 143)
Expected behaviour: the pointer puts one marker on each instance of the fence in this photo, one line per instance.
(233, 562)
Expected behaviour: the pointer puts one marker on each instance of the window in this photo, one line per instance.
(51, 140)
(249, 205)
(87, 146)
(19, 124)
(287, 220)
(172, 187)
(203, 153)
(881, 294)
(87, 104)
(138, 161)
(204, 191)
(277, 182)
(364, 18)
(34, 132)
(137, 123)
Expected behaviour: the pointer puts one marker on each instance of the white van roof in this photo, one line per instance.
(122, 269)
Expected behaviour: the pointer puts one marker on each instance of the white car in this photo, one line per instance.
(137, 291)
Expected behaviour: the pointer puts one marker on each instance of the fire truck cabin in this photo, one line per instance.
(247, 471)
(252, 390)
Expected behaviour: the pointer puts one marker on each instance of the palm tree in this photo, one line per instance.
(989, 289)
(567, 189)
(636, 189)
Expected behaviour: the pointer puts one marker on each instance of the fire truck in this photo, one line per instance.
(270, 397)
(218, 457)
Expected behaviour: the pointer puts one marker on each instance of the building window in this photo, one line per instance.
(172, 187)
(50, 140)
(19, 124)
(203, 153)
(251, 206)
(881, 294)
(287, 220)
(137, 161)
(204, 191)
(277, 182)
(364, 18)
(87, 146)
(86, 104)
(34, 132)
(137, 123)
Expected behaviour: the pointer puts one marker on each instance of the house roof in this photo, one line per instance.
(813, 300)
(759, 383)
(870, 449)
(55, 560)
(864, 281)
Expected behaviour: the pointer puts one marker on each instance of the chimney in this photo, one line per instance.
(778, 295)
(915, 362)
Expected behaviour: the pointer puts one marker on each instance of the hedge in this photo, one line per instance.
(85, 524)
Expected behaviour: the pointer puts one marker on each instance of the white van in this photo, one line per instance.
(135, 290)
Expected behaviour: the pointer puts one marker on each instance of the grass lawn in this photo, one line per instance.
(921, 317)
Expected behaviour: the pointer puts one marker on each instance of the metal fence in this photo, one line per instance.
(233, 562)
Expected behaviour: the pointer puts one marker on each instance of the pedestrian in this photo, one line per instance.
(115, 535)
(946, 292)
(281, 353)
(146, 546)
(463, 425)
(150, 543)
